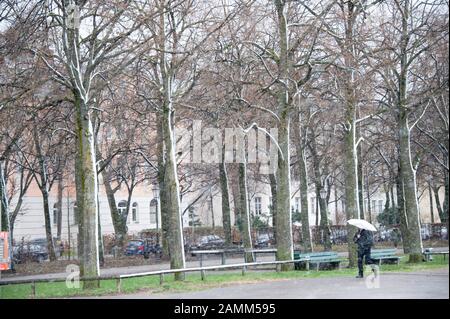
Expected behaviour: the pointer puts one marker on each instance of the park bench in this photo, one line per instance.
(223, 252)
(384, 255)
(428, 252)
(328, 258)
(255, 252)
(201, 253)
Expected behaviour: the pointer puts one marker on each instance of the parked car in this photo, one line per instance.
(30, 252)
(142, 247)
(209, 242)
(135, 247)
(263, 241)
(150, 248)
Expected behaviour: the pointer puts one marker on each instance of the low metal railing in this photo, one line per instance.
(161, 273)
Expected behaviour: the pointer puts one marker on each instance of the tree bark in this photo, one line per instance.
(172, 196)
(162, 192)
(226, 213)
(244, 209)
(324, 224)
(285, 249)
(401, 211)
(86, 180)
(44, 188)
(59, 207)
(119, 223)
(273, 192)
(438, 203)
(408, 173)
(303, 176)
(430, 194)
(284, 219)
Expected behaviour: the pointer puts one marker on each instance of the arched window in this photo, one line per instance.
(122, 207)
(55, 213)
(134, 212)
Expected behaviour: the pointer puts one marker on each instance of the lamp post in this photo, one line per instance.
(155, 190)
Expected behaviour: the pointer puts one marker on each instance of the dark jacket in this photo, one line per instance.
(365, 239)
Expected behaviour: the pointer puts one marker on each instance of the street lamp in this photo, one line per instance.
(155, 190)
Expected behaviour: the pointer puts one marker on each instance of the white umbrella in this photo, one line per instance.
(361, 223)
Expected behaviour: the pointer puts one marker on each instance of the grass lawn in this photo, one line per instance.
(194, 282)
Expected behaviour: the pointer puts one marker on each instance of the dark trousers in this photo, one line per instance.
(364, 253)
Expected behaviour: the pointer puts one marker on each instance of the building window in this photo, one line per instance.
(55, 213)
(122, 208)
(257, 205)
(297, 204)
(134, 212)
(380, 206)
(373, 206)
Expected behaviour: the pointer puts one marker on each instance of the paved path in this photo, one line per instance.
(429, 284)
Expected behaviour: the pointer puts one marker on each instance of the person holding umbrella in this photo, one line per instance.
(364, 239)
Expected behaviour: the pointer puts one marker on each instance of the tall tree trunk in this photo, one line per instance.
(44, 188)
(48, 226)
(438, 204)
(360, 182)
(12, 218)
(285, 249)
(119, 223)
(401, 211)
(303, 176)
(4, 220)
(316, 208)
(162, 192)
(244, 208)
(5, 226)
(213, 222)
(284, 219)
(324, 224)
(351, 156)
(430, 194)
(273, 191)
(172, 197)
(351, 184)
(59, 207)
(408, 174)
(444, 218)
(226, 213)
(86, 180)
